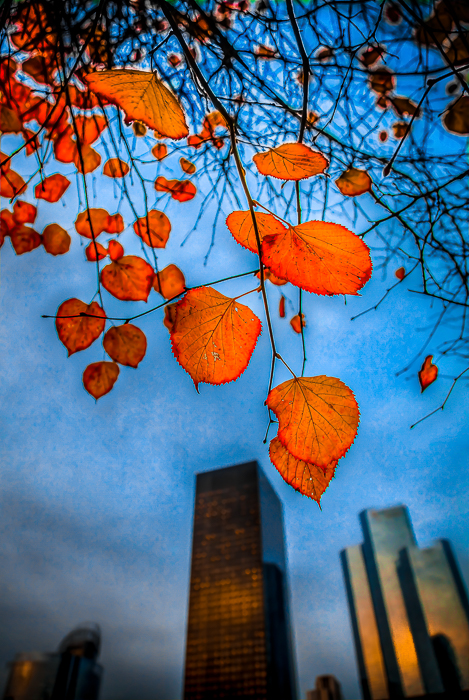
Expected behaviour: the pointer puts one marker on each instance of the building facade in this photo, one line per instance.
(238, 633)
(409, 611)
(70, 673)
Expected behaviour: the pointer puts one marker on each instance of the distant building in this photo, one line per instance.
(71, 673)
(238, 633)
(327, 688)
(409, 610)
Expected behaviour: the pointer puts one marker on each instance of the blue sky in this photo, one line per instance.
(97, 498)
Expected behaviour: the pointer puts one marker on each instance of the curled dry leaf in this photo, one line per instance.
(159, 151)
(382, 80)
(318, 418)
(153, 229)
(187, 166)
(52, 188)
(354, 182)
(95, 251)
(115, 167)
(319, 257)
(24, 239)
(169, 316)
(139, 129)
(143, 97)
(100, 377)
(128, 279)
(281, 307)
(403, 106)
(169, 282)
(308, 479)
(75, 331)
(242, 229)
(56, 240)
(291, 161)
(296, 323)
(400, 273)
(371, 55)
(456, 118)
(115, 250)
(399, 130)
(213, 336)
(181, 190)
(125, 344)
(428, 373)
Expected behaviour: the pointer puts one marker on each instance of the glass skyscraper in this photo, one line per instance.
(409, 610)
(238, 634)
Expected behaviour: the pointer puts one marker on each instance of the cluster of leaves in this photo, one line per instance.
(72, 74)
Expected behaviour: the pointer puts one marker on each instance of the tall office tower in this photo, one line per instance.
(238, 633)
(70, 673)
(409, 610)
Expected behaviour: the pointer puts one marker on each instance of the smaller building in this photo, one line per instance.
(70, 673)
(327, 688)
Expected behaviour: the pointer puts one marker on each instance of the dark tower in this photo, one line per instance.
(238, 633)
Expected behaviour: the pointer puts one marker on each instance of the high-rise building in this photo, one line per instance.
(70, 673)
(409, 610)
(238, 633)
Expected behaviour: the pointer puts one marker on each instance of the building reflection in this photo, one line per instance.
(409, 610)
(238, 635)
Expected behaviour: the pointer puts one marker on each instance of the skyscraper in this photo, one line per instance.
(238, 632)
(409, 610)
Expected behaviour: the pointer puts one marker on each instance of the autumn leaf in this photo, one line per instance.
(99, 221)
(382, 80)
(181, 190)
(153, 229)
(115, 167)
(139, 129)
(52, 188)
(187, 166)
(354, 182)
(115, 223)
(281, 307)
(89, 129)
(24, 239)
(169, 316)
(213, 336)
(291, 161)
(91, 159)
(143, 97)
(159, 151)
(405, 107)
(125, 344)
(318, 418)
(266, 52)
(56, 240)
(100, 377)
(75, 331)
(400, 273)
(95, 251)
(169, 282)
(242, 229)
(296, 323)
(456, 118)
(371, 55)
(399, 130)
(11, 184)
(308, 479)
(319, 257)
(428, 373)
(128, 279)
(273, 279)
(24, 212)
(115, 250)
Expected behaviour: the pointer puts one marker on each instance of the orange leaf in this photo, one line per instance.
(115, 250)
(90, 251)
(91, 159)
(187, 166)
(318, 418)
(241, 227)
(354, 182)
(24, 213)
(182, 190)
(89, 129)
(115, 167)
(99, 222)
(428, 373)
(115, 224)
(291, 161)
(139, 129)
(169, 316)
(160, 151)
(213, 336)
(52, 188)
(125, 344)
(11, 184)
(308, 479)
(169, 282)
(143, 97)
(10, 123)
(400, 273)
(40, 68)
(24, 239)
(100, 377)
(296, 323)
(56, 240)
(128, 279)
(153, 229)
(79, 332)
(319, 257)
(281, 307)
(399, 129)
(273, 279)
